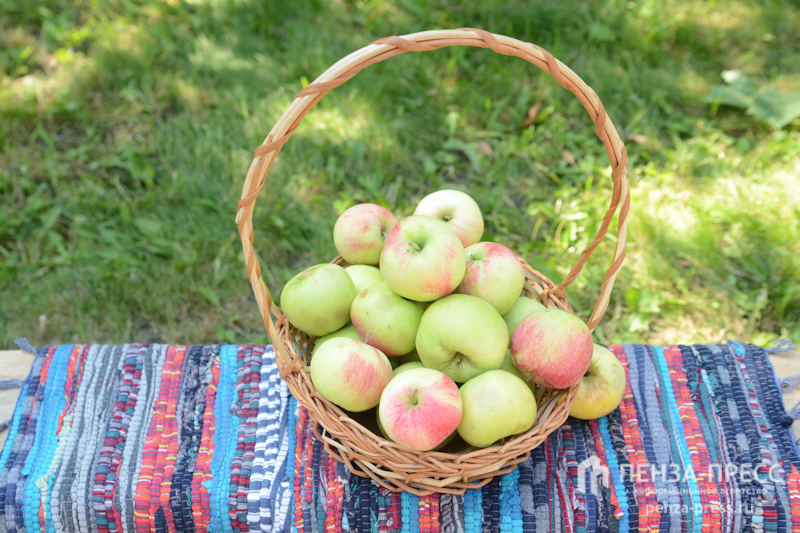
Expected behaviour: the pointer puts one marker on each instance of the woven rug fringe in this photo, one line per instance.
(11, 383)
(781, 346)
(790, 383)
(25, 345)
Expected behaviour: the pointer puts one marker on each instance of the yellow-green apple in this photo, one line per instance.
(601, 387)
(318, 299)
(407, 358)
(423, 259)
(521, 309)
(493, 274)
(420, 408)
(458, 210)
(444, 443)
(462, 336)
(350, 374)
(360, 232)
(403, 359)
(364, 276)
(508, 366)
(552, 348)
(347, 332)
(407, 366)
(497, 404)
(386, 320)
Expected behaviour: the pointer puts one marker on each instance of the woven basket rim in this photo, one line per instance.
(550, 294)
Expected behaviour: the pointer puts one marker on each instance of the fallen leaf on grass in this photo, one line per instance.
(533, 114)
(568, 157)
(485, 148)
(637, 138)
(767, 104)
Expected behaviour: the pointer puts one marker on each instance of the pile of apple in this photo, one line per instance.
(444, 309)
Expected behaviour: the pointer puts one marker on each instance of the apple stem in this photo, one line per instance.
(414, 397)
(366, 339)
(415, 246)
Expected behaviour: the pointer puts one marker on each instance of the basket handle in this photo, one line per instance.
(382, 49)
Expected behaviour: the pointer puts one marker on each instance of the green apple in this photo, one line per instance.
(407, 358)
(403, 359)
(350, 374)
(420, 408)
(462, 336)
(406, 366)
(497, 404)
(493, 274)
(601, 387)
(508, 366)
(423, 259)
(521, 309)
(386, 320)
(318, 299)
(347, 332)
(458, 210)
(552, 348)
(360, 232)
(364, 276)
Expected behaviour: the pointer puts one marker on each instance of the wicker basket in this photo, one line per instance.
(351, 441)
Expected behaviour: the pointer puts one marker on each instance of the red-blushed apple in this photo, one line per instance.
(364, 276)
(318, 299)
(407, 366)
(386, 320)
(493, 274)
(350, 374)
(462, 336)
(602, 386)
(552, 348)
(423, 259)
(347, 332)
(444, 443)
(458, 210)
(420, 408)
(360, 232)
(497, 404)
(522, 308)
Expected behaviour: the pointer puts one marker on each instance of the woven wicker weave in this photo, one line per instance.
(349, 441)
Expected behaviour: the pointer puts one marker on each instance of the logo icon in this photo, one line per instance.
(591, 469)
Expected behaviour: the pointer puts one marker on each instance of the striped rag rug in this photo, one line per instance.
(136, 438)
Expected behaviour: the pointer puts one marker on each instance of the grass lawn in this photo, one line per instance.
(127, 126)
